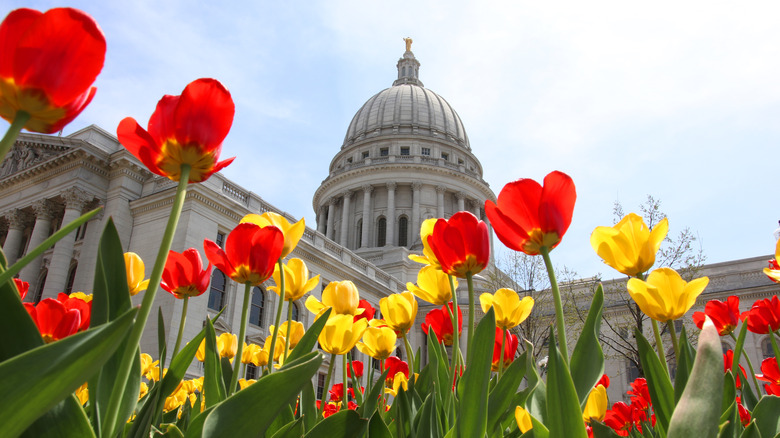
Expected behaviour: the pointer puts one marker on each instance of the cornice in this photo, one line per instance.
(56, 166)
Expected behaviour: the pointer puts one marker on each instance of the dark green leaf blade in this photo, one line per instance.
(587, 360)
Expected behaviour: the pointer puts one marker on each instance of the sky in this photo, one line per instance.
(675, 99)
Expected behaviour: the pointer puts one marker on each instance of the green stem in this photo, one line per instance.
(289, 329)
(470, 282)
(659, 345)
(774, 343)
(13, 131)
(370, 375)
(455, 332)
(327, 385)
(409, 353)
(675, 344)
(181, 326)
(131, 346)
(559, 322)
(241, 334)
(382, 393)
(501, 355)
(278, 316)
(345, 397)
(735, 363)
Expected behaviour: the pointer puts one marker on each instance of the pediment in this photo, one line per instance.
(29, 152)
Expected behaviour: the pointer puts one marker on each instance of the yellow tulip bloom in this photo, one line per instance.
(296, 280)
(142, 390)
(175, 400)
(433, 286)
(342, 296)
(510, 310)
(596, 406)
(227, 344)
(279, 347)
(399, 381)
(523, 419)
(340, 333)
(296, 332)
(292, 232)
(83, 394)
(82, 296)
(249, 352)
(378, 342)
(428, 257)
(629, 246)
(773, 271)
(399, 311)
(134, 267)
(665, 296)
(243, 383)
(147, 365)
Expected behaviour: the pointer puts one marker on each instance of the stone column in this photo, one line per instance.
(347, 195)
(17, 221)
(331, 219)
(88, 258)
(366, 215)
(44, 212)
(440, 190)
(461, 200)
(477, 209)
(321, 220)
(416, 219)
(56, 280)
(391, 213)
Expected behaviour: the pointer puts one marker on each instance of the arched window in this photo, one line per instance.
(256, 311)
(41, 285)
(766, 348)
(359, 237)
(217, 292)
(403, 71)
(295, 312)
(381, 232)
(403, 228)
(71, 279)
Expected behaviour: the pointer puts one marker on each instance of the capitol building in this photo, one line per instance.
(405, 158)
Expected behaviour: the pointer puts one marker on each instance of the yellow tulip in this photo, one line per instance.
(279, 347)
(772, 271)
(596, 406)
(428, 257)
(227, 344)
(175, 400)
(82, 296)
(292, 232)
(629, 246)
(509, 309)
(523, 419)
(665, 296)
(243, 383)
(249, 353)
(342, 296)
(147, 365)
(433, 286)
(142, 390)
(296, 332)
(399, 381)
(83, 394)
(134, 267)
(399, 311)
(340, 333)
(378, 342)
(296, 280)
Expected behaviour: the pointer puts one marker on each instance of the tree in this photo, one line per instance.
(621, 314)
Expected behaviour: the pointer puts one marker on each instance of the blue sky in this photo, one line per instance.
(678, 99)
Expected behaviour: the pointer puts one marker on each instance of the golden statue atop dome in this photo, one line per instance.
(408, 41)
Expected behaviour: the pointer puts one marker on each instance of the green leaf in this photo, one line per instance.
(377, 427)
(500, 398)
(684, 365)
(213, 384)
(239, 415)
(195, 429)
(59, 369)
(308, 407)
(658, 383)
(698, 411)
(65, 420)
(473, 387)
(563, 406)
(308, 340)
(45, 245)
(428, 425)
(534, 397)
(15, 320)
(751, 431)
(766, 415)
(285, 417)
(343, 424)
(293, 429)
(373, 396)
(587, 359)
(601, 430)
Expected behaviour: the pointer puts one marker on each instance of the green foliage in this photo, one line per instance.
(658, 383)
(473, 387)
(563, 407)
(587, 360)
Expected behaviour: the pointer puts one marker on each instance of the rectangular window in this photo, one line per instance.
(365, 154)
(405, 150)
(349, 160)
(426, 151)
(460, 162)
(220, 239)
(383, 152)
(321, 385)
(445, 156)
(251, 371)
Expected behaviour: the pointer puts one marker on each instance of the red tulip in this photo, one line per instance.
(640, 394)
(184, 275)
(725, 316)
(744, 414)
(461, 244)
(250, 253)
(603, 381)
(53, 319)
(529, 216)
(763, 316)
(395, 365)
(620, 418)
(510, 348)
(48, 64)
(728, 360)
(772, 389)
(439, 320)
(771, 372)
(368, 311)
(337, 392)
(187, 129)
(84, 308)
(356, 369)
(22, 287)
